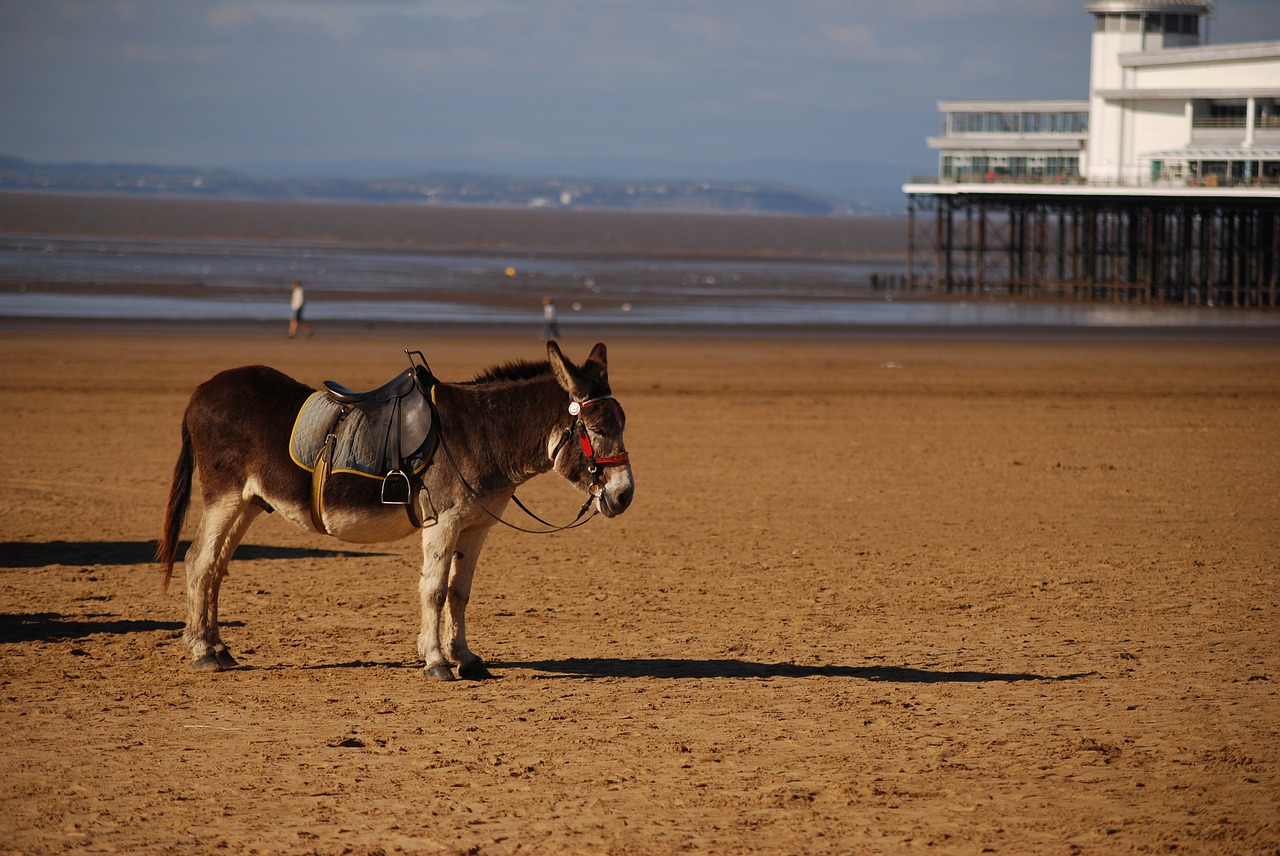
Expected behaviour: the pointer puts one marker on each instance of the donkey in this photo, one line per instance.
(496, 432)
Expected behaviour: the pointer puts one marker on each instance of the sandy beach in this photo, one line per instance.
(873, 596)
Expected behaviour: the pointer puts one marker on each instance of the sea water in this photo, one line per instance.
(163, 278)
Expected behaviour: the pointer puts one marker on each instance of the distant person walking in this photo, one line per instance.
(296, 304)
(551, 325)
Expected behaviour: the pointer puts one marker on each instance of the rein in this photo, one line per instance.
(594, 465)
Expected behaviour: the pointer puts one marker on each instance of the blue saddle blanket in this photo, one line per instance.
(355, 451)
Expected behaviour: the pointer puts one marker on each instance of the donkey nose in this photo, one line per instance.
(619, 502)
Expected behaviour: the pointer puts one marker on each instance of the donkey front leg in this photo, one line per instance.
(221, 527)
(453, 629)
(438, 544)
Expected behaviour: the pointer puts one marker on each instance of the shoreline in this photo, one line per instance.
(743, 334)
(819, 290)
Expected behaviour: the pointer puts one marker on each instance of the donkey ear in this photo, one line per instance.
(597, 365)
(569, 377)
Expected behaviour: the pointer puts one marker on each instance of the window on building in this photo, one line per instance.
(1058, 165)
(1129, 22)
(1072, 123)
(1178, 25)
(1213, 171)
(1207, 113)
(1266, 113)
(1017, 123)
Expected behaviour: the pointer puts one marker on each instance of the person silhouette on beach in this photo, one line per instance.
(551, 325)
(296, 303)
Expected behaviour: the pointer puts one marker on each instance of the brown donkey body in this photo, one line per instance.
(496, 432)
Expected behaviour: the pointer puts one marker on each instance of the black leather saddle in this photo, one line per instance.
(400, 418)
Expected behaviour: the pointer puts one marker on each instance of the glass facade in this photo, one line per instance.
(1149, 22)
(1022, 155)
(1010, 167)
(1233, 113)
(1017, 123)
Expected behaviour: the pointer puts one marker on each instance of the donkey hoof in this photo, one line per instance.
(217, 660)
(474, 670)
(207, 663)
(441, 672)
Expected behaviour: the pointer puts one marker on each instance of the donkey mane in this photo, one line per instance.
(515, 370)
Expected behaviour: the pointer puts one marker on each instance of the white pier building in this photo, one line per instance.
(1162, 185)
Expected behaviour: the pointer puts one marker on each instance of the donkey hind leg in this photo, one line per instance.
(453, 625)
(222, 525)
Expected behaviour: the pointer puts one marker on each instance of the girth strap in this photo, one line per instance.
(319, 478)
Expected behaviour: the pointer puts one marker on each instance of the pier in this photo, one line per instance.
(1160, 187)
(1180, 248)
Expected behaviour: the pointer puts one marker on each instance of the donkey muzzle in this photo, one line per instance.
(615, 495)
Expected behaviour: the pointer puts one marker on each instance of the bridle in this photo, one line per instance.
(595, 467)
(594, 464)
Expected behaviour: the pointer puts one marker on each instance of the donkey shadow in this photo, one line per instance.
(39, 554)
(593, 669)
(675, 668)
(54, 626)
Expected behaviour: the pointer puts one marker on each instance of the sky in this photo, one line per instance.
(592, 87)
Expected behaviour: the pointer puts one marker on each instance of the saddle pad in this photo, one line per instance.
(355, 450)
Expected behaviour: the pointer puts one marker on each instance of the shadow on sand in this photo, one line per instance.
(704, 669)
(52, 626)
(27, 554)
(670, 668)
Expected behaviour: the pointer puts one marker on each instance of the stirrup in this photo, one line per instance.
(396, 477)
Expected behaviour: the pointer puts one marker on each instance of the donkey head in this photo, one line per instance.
(590, 452)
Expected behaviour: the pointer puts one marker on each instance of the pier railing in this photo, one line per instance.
(1210, 181)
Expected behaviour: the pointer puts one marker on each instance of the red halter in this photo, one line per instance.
(594, 463)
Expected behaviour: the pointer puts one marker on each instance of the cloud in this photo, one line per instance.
(254, 80)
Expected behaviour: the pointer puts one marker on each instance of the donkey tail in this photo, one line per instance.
(176, 512)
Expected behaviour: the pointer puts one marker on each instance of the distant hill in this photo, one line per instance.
(434, 187)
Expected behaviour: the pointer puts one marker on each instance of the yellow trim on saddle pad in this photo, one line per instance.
(302, 436)
(354, 450)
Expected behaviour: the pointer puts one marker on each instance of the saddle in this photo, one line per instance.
(399, 418)
(387, 433)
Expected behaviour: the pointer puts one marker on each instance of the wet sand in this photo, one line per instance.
(874, 596)
(603, 232)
